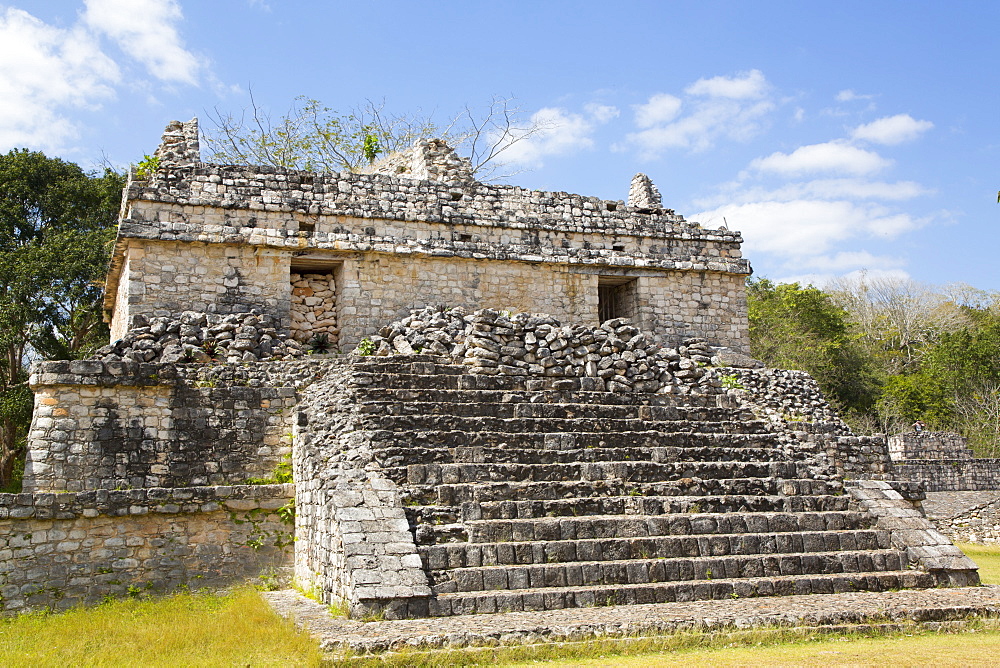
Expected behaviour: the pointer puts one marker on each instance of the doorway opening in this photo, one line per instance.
(616, 297)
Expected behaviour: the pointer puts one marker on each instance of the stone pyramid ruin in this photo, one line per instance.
(489, 399)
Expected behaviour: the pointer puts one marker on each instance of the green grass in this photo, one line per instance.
(239, 629)
(200, 629)
(987, 557)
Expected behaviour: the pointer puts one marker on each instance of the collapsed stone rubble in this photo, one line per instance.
(201, 337)
(491, 342)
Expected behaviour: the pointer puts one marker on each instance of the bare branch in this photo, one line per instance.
(312, 136)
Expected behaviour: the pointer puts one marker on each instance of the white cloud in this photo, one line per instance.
(733, 108)
(699, 131)
(602, 113)
(802, 230)
(146, 30)
(892, 130)
(46, 72)
(661, 108)
(750, 85)
(853, 189)
(849, 96)
(42, 69)
(561, 132)
(834, 156)
(847, 260)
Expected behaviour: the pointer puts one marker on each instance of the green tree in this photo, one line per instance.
(56, 225)
(957, 386)
(797, 327)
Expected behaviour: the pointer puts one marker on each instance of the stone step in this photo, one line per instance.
(410, 365)
(453, 396)
(486, 491)
(632, 471)
(568, 440)
(658, 505)
(564, 411)
(679, 569)
(640, 526)
(467, 381)
(404, 423)
(555, 598)
(436, 515)
(403, 456)
(472, 555)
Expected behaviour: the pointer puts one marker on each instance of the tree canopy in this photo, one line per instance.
(56, 224)
(889, 352)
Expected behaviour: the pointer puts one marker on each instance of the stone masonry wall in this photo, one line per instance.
(314, 307)
(966, 516)
(945, 475)
(115, 425)
(166, 278)
(62, 550)
(263, 220)
(353, 541)
(928, 445)
(942, 462)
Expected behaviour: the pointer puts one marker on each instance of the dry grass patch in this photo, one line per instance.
(238, 629)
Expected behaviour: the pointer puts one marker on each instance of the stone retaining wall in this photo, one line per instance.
(944, 475)
(928, 445)
(966, 517)
(108, 425)
(942, 462)
(61, 550)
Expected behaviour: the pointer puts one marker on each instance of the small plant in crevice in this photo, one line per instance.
(319, 344)
(731, 382)
(366, 347)
(149, 165)
(211, 348)
(374, 616)
(339, 608)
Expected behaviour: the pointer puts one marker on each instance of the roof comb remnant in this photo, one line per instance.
(642, 194)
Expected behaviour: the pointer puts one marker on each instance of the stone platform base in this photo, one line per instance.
(928, 607)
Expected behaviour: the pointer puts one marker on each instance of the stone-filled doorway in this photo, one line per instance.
(313, 310)
(616, 297)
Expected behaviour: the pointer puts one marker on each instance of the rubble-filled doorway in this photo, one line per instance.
(616, 297)
(314, 304)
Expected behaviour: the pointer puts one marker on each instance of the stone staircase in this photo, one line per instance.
(528, 493)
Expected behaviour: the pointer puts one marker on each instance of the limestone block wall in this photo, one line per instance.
(928, 445)
(164, 278)
(951, 475)
(353, 541)
(380, 289)
(421, 207)
(942, 462)
(682, 304)
(62, 550)
(966, 516)
(109, 425)
(314, 307)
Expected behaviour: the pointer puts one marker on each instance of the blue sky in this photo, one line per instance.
(837, 136)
